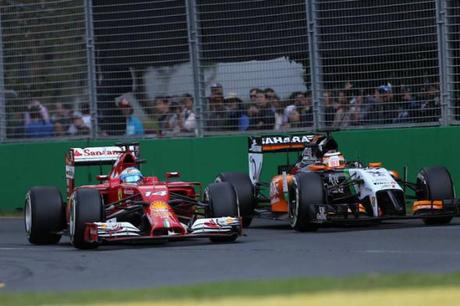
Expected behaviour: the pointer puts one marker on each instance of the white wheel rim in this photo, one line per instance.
(28, 216)
(72, 221)
(293, 213)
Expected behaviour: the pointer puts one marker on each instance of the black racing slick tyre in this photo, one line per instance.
(307, 189)
(244, 191)
(222, 201)
(435, 183)
(44, 215)
(86, 206)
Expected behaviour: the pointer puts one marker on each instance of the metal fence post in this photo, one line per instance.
(2, 89)
(443, 61)
(315, 73)
(198, 77)
(91, 66)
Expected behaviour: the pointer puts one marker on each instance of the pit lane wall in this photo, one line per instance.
(26, 165)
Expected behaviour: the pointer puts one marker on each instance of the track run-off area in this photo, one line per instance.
(269, 249)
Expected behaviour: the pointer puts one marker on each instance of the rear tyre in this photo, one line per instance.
(244, 192)
(435, 183)
(306, 190)
(44, 215)
(222, 203)
(85, 207)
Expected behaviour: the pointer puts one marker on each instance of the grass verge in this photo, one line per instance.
(405, 289)
(11, 213)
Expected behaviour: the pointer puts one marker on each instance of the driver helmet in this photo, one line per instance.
(333, 159)
(131, 175)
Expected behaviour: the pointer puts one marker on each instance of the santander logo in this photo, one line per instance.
(97, 152)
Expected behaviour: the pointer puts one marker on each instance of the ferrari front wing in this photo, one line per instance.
(104, 232)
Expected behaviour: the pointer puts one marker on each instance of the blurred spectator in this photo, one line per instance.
(406, 107)
(291, 117)
(261, 114)
(356, 115)
(78, 126)
(168, 116)
(371, 108)
(306, 109)
(37, 125)
(430, 106)
(151, 125)
(277, 107)
(379, 108)
(389, 107)
(86, 114)
(329, 108)
(134, 125)
(342, 113)
(236, 118)
(216, 112)
(253, 95)
(299, 112)
(187, 119)
(42, 109)
(62, 118)
(269, 94)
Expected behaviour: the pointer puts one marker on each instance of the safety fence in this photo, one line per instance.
(168, 68)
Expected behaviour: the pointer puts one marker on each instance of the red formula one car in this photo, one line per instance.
(127, 207)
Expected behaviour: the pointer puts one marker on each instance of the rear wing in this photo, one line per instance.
(94, 156)
(259, 145)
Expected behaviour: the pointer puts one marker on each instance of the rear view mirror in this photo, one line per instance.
(172, 174)
(102, 177)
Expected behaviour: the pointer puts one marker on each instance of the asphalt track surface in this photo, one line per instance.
(270, 250)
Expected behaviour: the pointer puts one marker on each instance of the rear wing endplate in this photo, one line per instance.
(94, 156)
(258, 145)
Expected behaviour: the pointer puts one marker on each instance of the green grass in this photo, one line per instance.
(11, 213)
(243, 289)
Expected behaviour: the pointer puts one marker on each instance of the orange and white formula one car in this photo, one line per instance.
(128, 207)
(323, 188)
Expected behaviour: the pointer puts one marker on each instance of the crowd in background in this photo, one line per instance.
(262, 109)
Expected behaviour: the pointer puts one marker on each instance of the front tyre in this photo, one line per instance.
(44, 215)
(244, 192)
(222, 201)
(306, 190)
(86, 206)
(435, 183)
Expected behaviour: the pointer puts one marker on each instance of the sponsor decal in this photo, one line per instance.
(96, 154)
(120, 194)
(160, 193)
(376, 173)
(129, 191)
(286, 139)
(159, 209)
(274, 195)
(112, 220)
(211, 224)
(230, 220)
(255, 147)
(159, 205)
(101, 151)
(335, 181)
(69, 172)
(321, 214)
